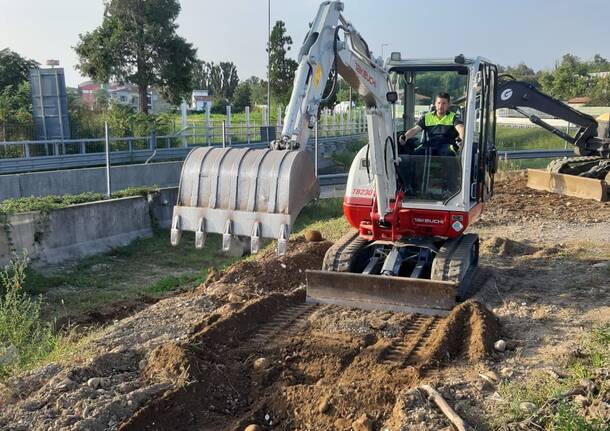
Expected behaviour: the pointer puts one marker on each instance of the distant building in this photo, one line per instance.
(579, 101)
(200, 99)
(87, 90)
(123, 94)
(599, 74)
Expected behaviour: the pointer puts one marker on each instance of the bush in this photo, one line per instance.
(24, 338)
(219, 106)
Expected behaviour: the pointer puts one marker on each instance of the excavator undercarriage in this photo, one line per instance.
(423, 275)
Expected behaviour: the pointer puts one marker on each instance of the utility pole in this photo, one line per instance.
(268, 59)
(382, 45)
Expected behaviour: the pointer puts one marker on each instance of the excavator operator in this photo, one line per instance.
(441, 129)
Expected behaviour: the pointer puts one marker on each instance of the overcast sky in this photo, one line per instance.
(537, 32)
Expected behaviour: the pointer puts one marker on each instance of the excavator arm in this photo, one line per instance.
(249, 194)
(322, 51)
(516, 95)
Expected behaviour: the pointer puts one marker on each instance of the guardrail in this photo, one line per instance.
(131, 154)
(336, 179)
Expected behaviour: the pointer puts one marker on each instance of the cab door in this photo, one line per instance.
(484, 162)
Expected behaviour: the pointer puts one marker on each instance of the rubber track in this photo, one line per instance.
(339, 255)
(405, 351)
(556, 166)
(452, 263)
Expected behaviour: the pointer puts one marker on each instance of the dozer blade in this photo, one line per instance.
(243, 192)
(377, 292)
(570, 185)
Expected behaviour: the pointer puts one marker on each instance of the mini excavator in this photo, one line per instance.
(408, 249)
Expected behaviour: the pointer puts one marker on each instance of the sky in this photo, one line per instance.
(537, 32)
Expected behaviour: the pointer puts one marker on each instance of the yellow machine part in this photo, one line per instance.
(570, 185)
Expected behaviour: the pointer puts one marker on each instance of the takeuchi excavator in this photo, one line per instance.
(409, 249)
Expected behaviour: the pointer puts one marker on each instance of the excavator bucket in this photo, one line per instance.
(256, 193)
(570, 185)
(375, 292)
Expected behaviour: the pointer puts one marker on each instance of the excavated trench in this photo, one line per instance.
(282, 364)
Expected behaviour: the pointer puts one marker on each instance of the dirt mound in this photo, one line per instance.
(514, 202)
(505, 247)
(268, 273)
(469, 331)
(280, 363)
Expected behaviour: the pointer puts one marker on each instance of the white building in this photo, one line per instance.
(200, 99)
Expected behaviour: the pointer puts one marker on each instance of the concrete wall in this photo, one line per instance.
(75, 181)
(76, 231)
(162, 206)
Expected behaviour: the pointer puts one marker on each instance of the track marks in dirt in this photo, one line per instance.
(405, 350)
(281, 327)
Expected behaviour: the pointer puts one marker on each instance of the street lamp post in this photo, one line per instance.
(268, 61)
(382, 45)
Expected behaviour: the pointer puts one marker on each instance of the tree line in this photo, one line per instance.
(137, 43)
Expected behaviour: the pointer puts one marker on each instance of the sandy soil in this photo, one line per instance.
(244, 349)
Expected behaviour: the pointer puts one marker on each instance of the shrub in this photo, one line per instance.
(24, 338)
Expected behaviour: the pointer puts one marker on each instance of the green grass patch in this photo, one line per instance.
(530, 138)
(540, 388)
(147, 267)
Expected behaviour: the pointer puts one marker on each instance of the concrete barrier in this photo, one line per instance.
(75, 181)
(76, 231)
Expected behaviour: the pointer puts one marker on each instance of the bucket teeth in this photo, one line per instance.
(176, 231)
(255, 239)
(227, 236)
(200, 234)
(282, 241)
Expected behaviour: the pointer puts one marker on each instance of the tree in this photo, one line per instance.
(230, 79)
(258, 88)
(523, 72)
(600, 92)
(242, 97)
(201, 75)
(282, 68)
(14, 69)
(599, 64)
(137, 43)
(570, 79)
(222, 79)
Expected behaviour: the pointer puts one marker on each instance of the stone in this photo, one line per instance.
(500, 345)
(460, 406)
(142, 364)
(324, 405)
(588, 385)
(253, 427)
(581, 401)
(342, 424)
(313, 235)
(235, 298)
(261, 364)
(9, 356)
(507, 372)
(363, 423)
(33, 405)
(94, 382)
(527, 407)
(65, 384)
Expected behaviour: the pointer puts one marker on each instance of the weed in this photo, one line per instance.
(24, 338)
(540, 388)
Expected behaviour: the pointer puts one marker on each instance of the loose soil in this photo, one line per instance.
(244, 348)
